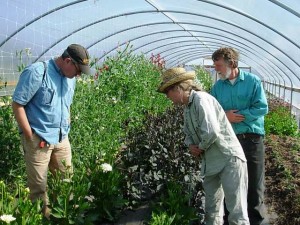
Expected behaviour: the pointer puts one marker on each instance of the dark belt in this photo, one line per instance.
(247, 136)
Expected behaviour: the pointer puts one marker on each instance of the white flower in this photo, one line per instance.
(114, 100)
(90, 198)
(106, 167)
(7, 218)
(186, 178)
(67, 180)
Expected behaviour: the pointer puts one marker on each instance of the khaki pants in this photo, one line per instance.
(38, 160)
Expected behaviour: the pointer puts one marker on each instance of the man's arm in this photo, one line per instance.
(22, 120)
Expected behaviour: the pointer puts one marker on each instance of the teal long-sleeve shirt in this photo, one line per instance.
(247, 96)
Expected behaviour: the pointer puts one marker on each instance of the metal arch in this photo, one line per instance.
(171, 11)
(242, 61)
(225, 41)
(187, 57)
(241, 43)
(39, 17)
(91, 24)
(275, 69)
(252, 54)
(198, 55)
(213, 28)
(172, 53)
(208, 33)
(191, 51)
(252, 18)
(146, 35)
(193, 41)
(245, 56)
(224, 37)
(263, 77)
(285, 7)
(193, 58)
(251, 51)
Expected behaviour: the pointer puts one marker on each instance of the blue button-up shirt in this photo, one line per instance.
(247, 96)
(46, 100)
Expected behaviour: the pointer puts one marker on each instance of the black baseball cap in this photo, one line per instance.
(80, 56)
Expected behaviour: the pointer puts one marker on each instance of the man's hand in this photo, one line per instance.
(234, 117)
(195, 150)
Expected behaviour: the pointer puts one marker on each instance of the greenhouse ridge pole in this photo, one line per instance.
(151, 2)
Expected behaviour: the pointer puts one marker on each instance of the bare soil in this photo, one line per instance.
(283, 179)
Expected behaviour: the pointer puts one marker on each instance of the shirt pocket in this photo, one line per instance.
(45, 96)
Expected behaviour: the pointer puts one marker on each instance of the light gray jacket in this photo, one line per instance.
(206, 125)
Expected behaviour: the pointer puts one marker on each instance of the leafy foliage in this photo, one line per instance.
(156, 155)
(161, 218)
(204, 78)
(18, 204)
(279, 120)
(11, 162)
(118, 118)
(170, 203)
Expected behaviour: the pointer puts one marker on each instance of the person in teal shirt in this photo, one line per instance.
(243, 99)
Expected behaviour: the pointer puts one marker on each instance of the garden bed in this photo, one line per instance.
(283, 179)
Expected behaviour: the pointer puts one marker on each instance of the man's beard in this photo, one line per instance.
(226, 75)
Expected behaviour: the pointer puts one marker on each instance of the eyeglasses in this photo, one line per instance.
(78, 71)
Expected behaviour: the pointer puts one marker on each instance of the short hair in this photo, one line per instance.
(230, 56)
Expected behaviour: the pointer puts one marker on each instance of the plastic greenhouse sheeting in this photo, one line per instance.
(266, 33)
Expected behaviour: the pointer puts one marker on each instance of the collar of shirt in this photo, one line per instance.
(240, 77)
(56, 67)
(191, 97)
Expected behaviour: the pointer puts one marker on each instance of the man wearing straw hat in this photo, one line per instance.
(209, 136)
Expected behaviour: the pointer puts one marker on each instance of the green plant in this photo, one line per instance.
(69, 198)
(156, 154)
(161, 218)
(105, 189)
(279, 120)
(172, 204)
(11, 162)
(20, 55)
(204, 77)
(17, 207)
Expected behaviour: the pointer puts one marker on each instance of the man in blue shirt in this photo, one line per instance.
(243, 99)
(41, 105)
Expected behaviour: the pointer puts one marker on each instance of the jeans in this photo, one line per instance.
(255, 154)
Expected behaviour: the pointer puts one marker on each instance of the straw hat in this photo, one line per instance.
(173, 76)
